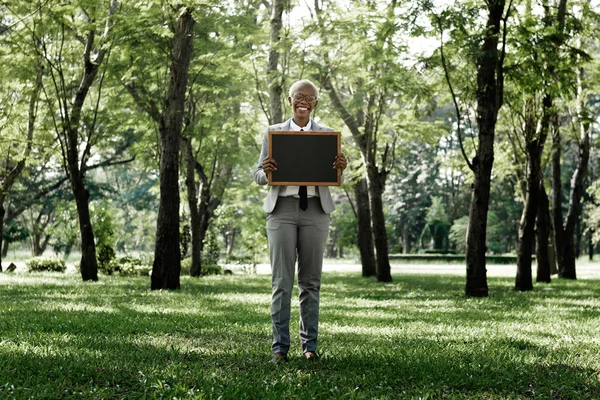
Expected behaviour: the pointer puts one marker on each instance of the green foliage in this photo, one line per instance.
(15, 233)
(435, 233)
(102, 219)
(345, 222)
(105, 255)
(211, 269)
(207, 269)
(212, 339)
(48, 264)
(131, 265)
(458, 233)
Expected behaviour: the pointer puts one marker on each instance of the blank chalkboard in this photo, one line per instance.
(304, 158)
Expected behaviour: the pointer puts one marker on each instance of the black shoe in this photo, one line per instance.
(279, 358)
(311, 356)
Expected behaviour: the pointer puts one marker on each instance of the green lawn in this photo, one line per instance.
(418, 337)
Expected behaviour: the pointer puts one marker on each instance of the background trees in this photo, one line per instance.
(385, 70)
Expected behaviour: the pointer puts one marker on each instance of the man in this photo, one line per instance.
(297, 225)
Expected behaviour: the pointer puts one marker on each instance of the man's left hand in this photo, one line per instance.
(340, 162)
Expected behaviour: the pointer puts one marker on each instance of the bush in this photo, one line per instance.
(207, 268)
(211, 269)
(105, 255)
(186, 266)
(51, 264)
(131, 265)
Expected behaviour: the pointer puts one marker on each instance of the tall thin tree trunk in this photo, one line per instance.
(365, 232)
(524, 278)
(274, 77)
(89, 263)
(543, 237)
(376, 189)
(405, 239)
(4, 248)
(192, 198)
(591, 245)
(2, 213)
(167, 253)
(489, 100)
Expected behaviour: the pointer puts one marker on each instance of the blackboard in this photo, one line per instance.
(304, 158)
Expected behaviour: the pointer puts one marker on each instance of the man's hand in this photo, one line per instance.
(339, 163)
(269, 164)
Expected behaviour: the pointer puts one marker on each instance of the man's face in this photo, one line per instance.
(303, 100)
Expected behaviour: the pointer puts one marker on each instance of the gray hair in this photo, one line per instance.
(303, 82)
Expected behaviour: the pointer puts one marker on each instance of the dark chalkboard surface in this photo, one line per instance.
(304, 158)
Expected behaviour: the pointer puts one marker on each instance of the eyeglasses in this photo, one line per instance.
(308, 97)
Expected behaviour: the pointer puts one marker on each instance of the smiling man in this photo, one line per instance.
(297, 228)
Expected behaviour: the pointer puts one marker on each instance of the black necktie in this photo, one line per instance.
(303, 195)
(303, 198)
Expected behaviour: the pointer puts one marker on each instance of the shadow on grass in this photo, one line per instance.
(416, 337)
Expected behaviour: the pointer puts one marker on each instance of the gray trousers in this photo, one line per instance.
(293, 232)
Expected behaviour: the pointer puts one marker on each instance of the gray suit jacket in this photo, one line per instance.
(261, 178)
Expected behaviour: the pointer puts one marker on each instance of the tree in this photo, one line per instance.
(369, 102)
(75, 129)
(489, 97)
(13, 166)
(564, 227)
(14, 150)
(167, 254)
(275, 77)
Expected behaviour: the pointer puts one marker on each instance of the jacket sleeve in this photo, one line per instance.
(260, 176)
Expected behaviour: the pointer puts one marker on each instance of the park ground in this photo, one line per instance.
(418, 337)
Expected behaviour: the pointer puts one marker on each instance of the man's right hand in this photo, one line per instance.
(269, 164)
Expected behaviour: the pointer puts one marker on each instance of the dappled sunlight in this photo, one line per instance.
(246, 298)
(216, 332)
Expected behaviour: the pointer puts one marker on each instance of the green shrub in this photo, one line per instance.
(130, 265)
(186, 266)
(105, 255)
(207, 267)
(211, 269)
(52, 264)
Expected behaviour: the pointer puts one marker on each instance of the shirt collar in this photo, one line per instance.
(295, 127)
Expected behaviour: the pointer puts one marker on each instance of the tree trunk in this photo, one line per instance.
(536, 140)
(564, 233)
(365, 232)
(192, 198)
(230, 241)
(2, 213)
(89, 263)
(543, 237)
(332, 244)
(167, 254)
(5, 245)
(405, 239)
(376, 189)
(274, 80)
(524, 279)
(578, 235)
(567, 269)
(489, 101)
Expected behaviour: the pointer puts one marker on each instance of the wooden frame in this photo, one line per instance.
(304, 158)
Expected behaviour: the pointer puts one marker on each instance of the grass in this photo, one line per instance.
(418, 337)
